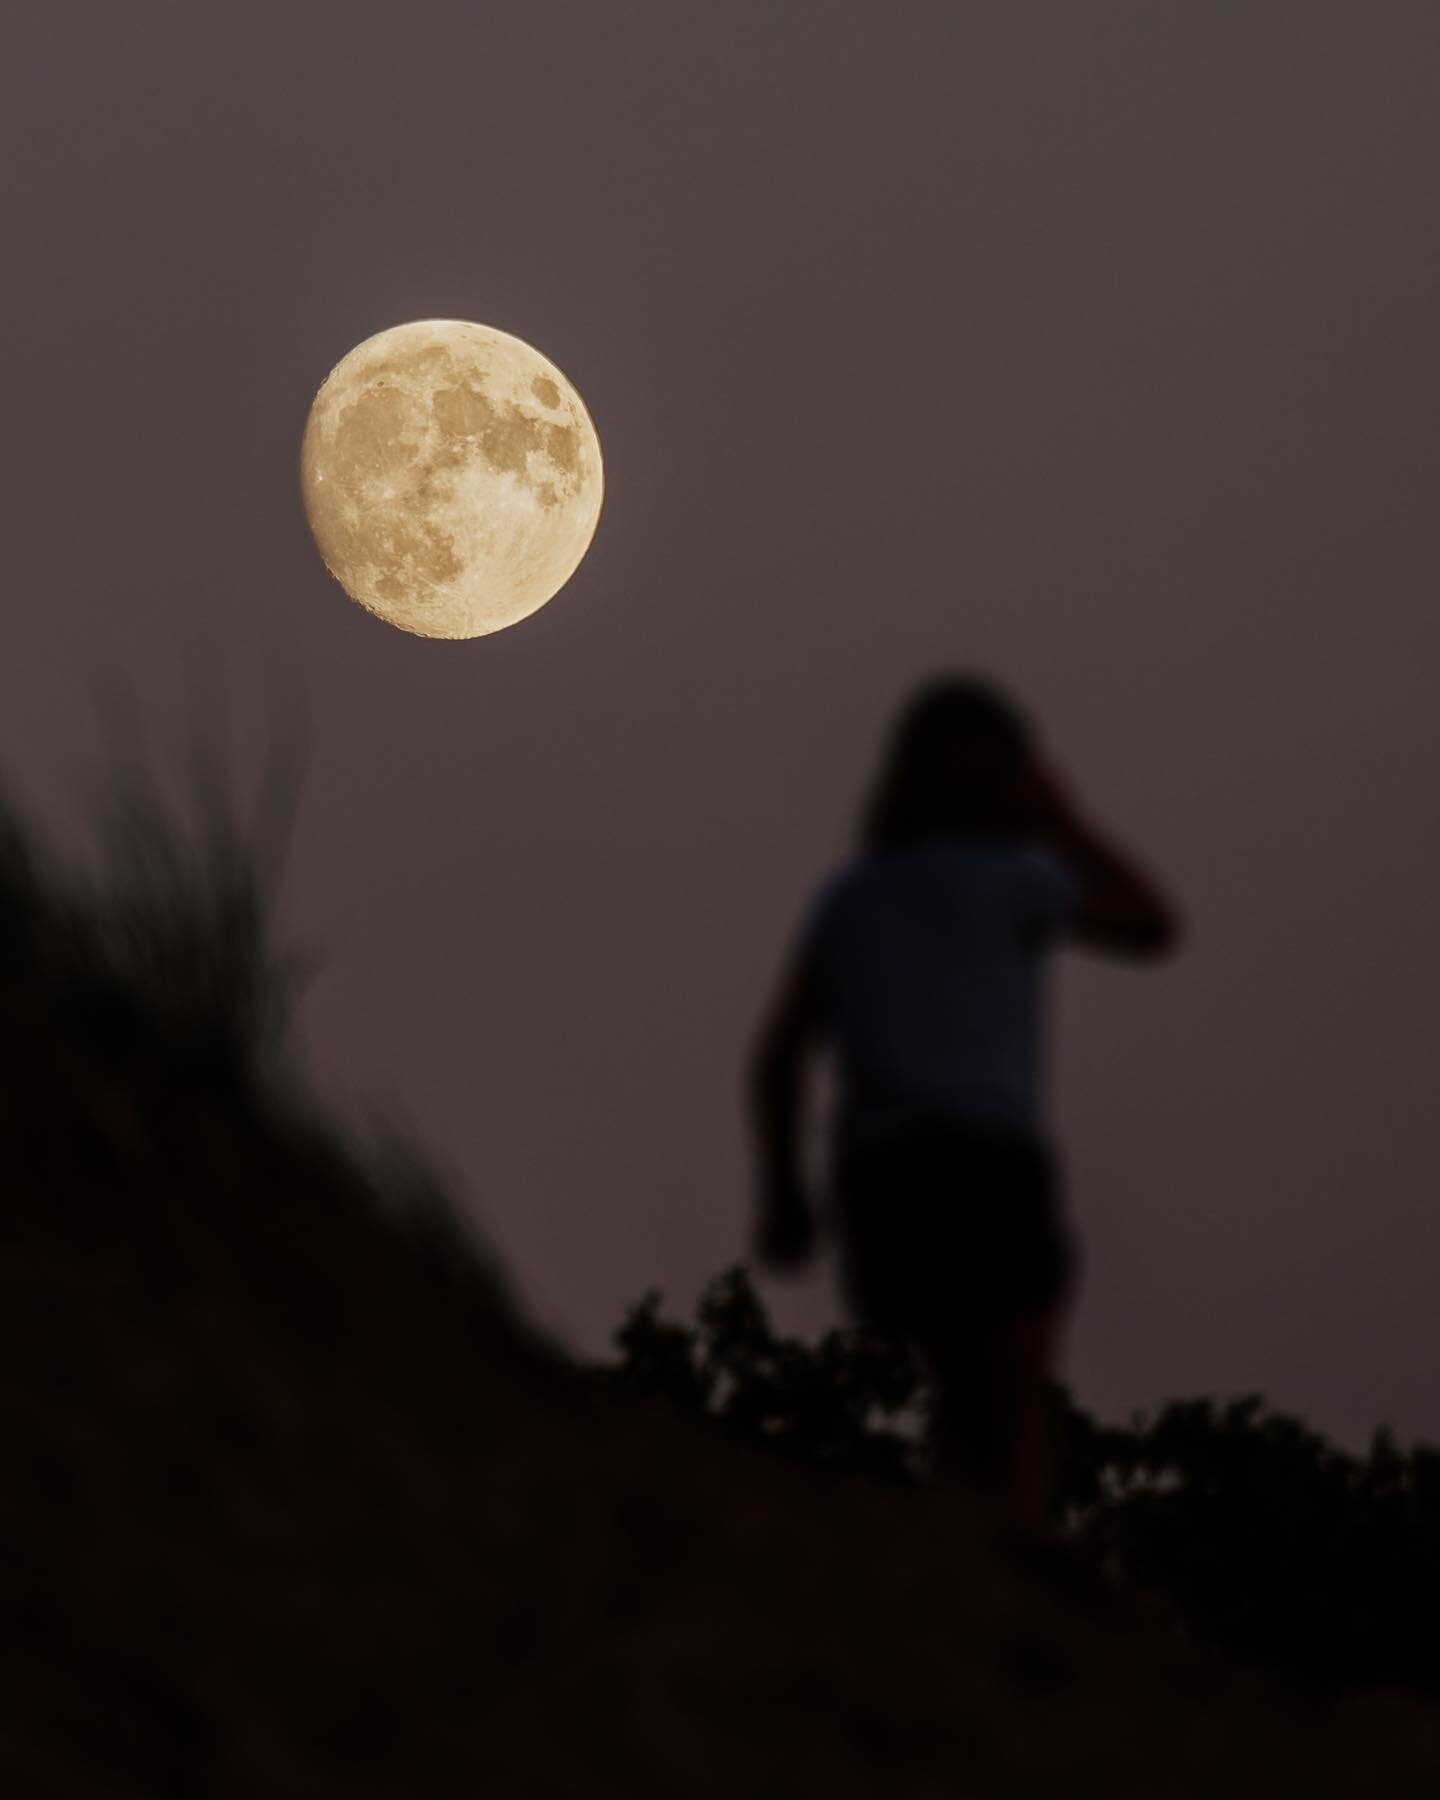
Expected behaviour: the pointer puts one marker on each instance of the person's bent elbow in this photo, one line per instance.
(1153, 939)
(1149, 934)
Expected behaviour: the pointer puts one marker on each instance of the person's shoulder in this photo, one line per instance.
(1037, 858)
(1047, 888)
(1016, 872)
(847, 886)
(985, 863)
(844, 879)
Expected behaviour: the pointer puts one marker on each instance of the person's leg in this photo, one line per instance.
(969, 1426)
(993, 1426)
(1031, 1472)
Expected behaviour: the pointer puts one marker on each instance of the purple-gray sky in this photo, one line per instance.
(1089, 342)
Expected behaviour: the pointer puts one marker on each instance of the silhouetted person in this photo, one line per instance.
(921, 970)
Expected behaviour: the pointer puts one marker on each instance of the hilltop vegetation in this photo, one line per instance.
(1246, 1527)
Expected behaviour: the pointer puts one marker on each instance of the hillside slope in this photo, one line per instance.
(294, 1503)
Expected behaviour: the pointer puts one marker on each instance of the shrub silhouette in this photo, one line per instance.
(1249, 1529)
(841, 1402)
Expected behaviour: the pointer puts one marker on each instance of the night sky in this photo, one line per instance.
(1093, 345)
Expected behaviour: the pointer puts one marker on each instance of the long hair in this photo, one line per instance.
(949, 769)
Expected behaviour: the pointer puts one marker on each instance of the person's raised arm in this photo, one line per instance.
(784, 1229)
(1122, 909)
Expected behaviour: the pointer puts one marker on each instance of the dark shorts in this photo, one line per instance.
(960, 1224)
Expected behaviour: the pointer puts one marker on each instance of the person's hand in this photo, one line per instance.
(785, 1233)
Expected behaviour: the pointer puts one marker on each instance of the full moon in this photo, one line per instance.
(451, 477)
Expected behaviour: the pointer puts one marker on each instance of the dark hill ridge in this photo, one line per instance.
(294, 1504)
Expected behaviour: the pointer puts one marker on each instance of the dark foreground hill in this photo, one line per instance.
(294, 1504)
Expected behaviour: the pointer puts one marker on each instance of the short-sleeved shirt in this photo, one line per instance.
(929, 966)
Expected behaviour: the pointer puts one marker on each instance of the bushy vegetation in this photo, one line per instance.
(1246, 1528)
